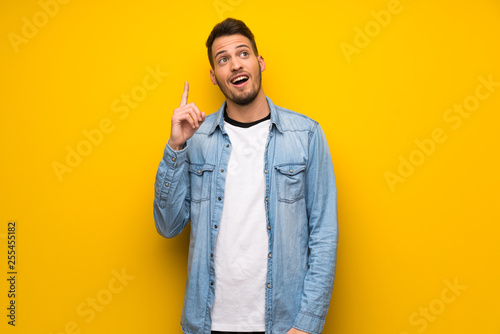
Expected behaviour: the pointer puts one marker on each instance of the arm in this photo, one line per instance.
(321, 206)
(172, 189)
(172, 186)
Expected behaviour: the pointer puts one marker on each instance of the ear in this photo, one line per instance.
(212, 76)
(262, 63)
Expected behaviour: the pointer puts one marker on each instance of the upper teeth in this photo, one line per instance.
(239, 78)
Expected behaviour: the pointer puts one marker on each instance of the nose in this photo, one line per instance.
(235, 64)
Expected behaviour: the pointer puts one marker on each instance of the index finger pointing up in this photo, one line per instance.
(184, 98)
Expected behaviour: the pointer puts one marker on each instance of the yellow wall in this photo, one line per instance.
(417, 177)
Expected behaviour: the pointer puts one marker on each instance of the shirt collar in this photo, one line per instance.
(219, 118)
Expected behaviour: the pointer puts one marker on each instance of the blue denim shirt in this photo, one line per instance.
(301, 210)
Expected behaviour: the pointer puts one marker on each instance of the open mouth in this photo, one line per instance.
(240, 80)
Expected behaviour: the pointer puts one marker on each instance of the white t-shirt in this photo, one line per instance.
(241, 248)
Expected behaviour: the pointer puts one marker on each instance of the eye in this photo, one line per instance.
(222, 60)
(244, 53)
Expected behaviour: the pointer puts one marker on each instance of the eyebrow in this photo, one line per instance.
(239, 46)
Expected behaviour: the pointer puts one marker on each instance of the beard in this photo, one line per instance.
(244, 98)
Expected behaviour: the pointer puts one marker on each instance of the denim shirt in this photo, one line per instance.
(301, 212)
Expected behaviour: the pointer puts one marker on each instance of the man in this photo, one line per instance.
(257, 183)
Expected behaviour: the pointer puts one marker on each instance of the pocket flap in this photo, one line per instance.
(199, 169)
(290, 169)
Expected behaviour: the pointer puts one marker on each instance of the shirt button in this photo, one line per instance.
(198, 171)
(265, 171)
(267, 199)
(269, 286)
(173, 159)
(215, 226)
(268, 227)
(219, 199)
(270, 255)
(166, 184)
(222, 170)
(291, 170)
(227, 145)
(211, 254)
(211, 283)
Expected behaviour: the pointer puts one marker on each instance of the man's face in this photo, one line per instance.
(236, 68)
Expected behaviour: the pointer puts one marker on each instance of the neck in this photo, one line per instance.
(256, 110)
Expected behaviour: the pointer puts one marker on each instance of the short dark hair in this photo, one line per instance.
(229, 27)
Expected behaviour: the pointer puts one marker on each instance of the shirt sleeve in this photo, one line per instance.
(321, 205)
(172, 193)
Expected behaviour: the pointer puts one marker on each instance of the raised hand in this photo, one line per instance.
(185, 121)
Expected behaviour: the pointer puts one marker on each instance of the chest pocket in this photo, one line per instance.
(201, 180)
(290, 180)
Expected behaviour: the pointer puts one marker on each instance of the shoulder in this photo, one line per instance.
(205, 138)
(206, 128)
(289, 120)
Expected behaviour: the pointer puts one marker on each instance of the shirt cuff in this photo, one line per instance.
(309, 323)
(172, 157)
